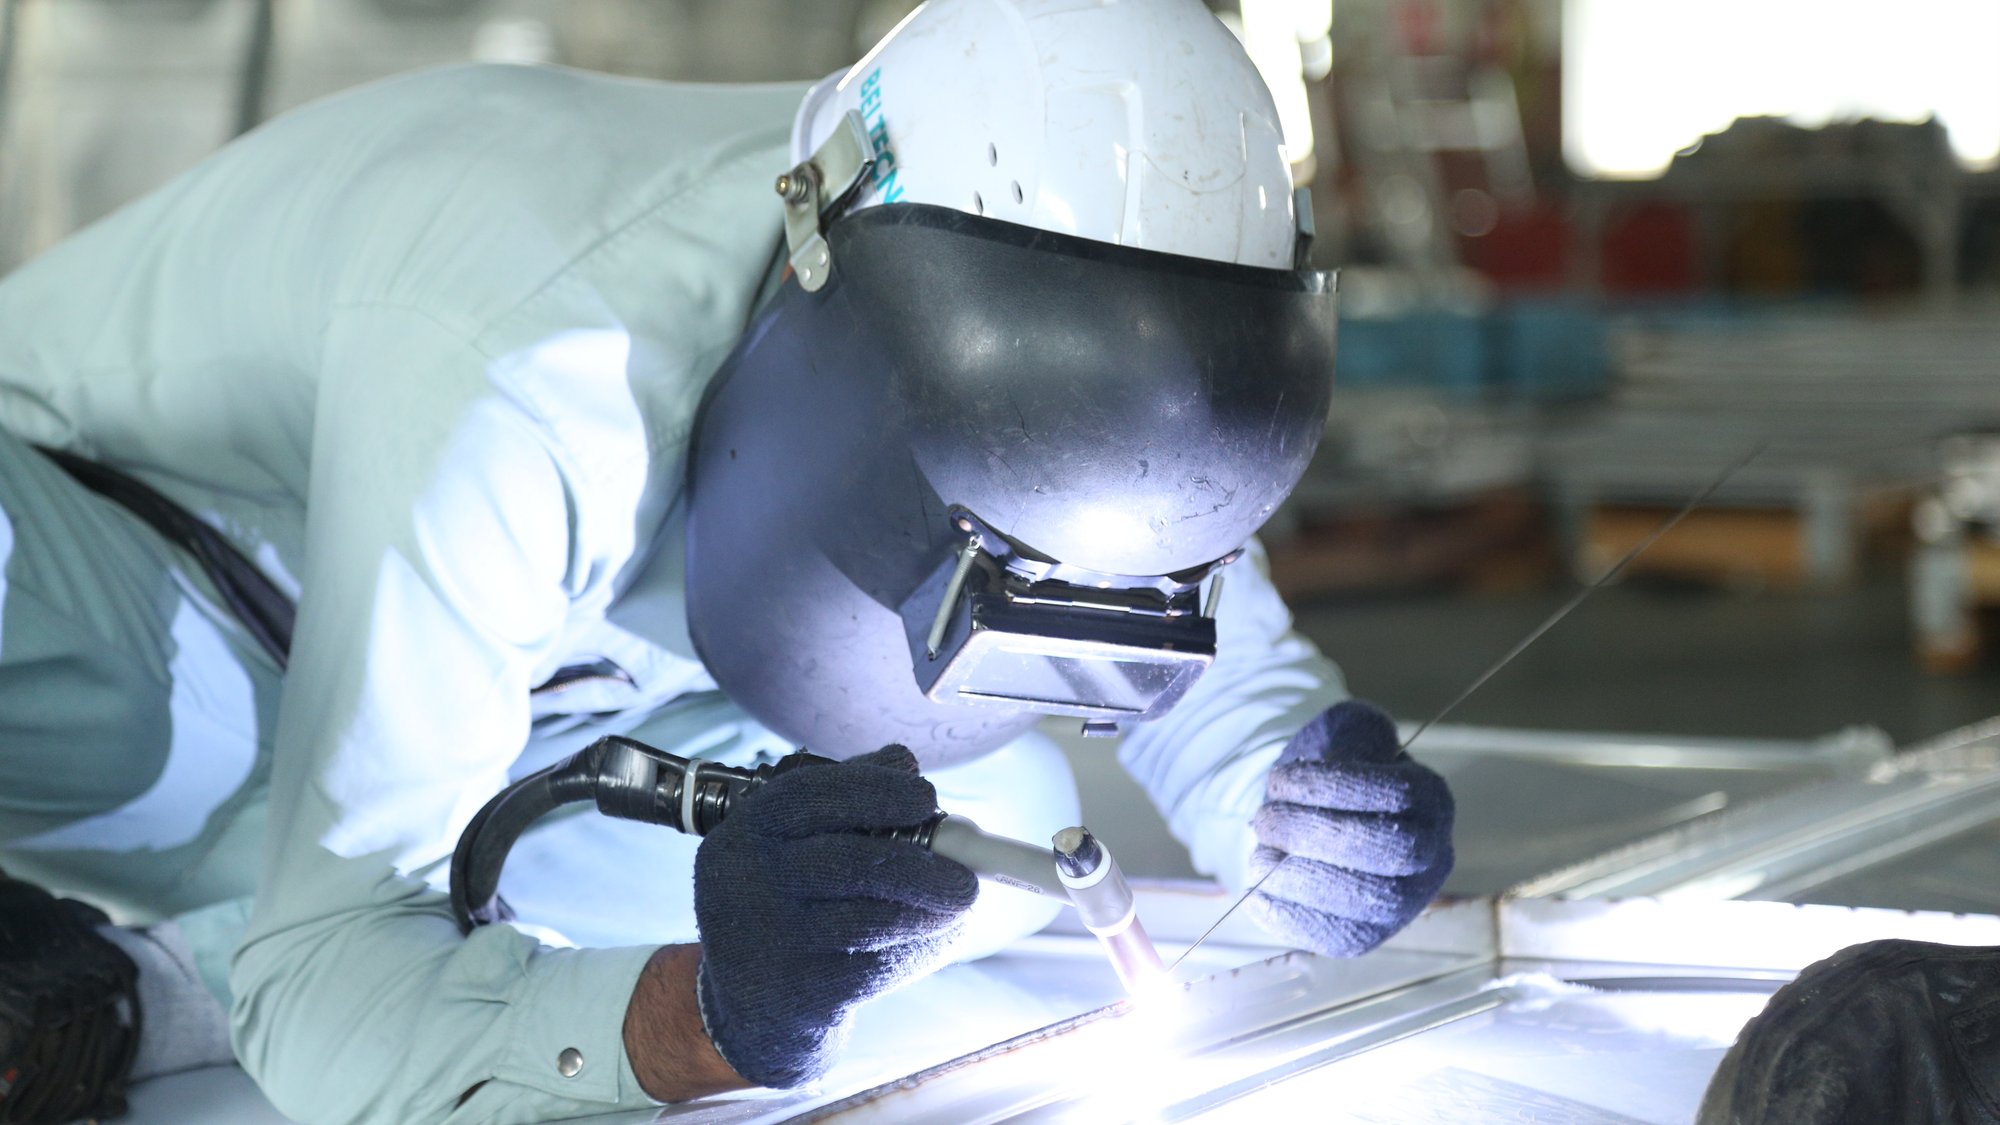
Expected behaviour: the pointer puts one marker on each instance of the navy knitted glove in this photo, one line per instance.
(803, 916)
(1363, 831)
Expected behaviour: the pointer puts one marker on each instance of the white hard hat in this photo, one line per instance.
(1135, 122)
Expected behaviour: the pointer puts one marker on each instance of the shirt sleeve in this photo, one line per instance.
(442, 536)
(1203, 763)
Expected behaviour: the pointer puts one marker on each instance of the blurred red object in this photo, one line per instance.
(1650, 248)
(1525, 251)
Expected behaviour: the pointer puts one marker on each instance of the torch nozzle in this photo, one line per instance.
(1077, 869)
(1105, 902)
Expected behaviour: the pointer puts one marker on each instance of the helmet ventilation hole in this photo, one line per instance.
(992, 154)
(978, 204)
(1017, 191)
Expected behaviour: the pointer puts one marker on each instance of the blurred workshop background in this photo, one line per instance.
(1592, 252)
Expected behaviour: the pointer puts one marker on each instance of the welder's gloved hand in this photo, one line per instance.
(803, 915)
(1883, 1033)
(1363, 833)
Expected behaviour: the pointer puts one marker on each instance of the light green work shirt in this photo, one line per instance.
(430, 353)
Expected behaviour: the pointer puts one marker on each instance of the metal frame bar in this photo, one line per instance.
(1789, 842)
(1846, 748)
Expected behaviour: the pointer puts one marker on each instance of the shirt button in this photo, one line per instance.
(569, 1062)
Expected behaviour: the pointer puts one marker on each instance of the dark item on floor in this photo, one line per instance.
(69, 1009)
(1882, 1033)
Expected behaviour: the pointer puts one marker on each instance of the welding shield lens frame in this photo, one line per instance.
(1007, 629)
(1079, 661)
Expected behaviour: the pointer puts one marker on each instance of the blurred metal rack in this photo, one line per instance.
(1954, 573)
(1847, 408)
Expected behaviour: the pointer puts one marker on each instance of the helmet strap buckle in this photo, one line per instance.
(820, 185)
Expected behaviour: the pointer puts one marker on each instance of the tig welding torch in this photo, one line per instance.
(630, 780)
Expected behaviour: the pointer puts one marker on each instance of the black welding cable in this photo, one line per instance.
(264, 611)
(629, 780)
(618, 767)
(483, 846)
(625, 778)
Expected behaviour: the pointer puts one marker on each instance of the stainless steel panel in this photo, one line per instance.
(1855, 840)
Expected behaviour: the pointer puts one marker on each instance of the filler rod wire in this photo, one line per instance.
(1617, 568)
(1603, 580)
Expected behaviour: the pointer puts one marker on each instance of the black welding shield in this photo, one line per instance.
(983, 472)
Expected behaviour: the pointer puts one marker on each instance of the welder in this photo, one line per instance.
(436, 430)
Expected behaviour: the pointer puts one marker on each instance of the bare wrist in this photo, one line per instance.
(670, 1050)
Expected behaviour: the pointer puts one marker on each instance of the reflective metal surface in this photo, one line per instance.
(1575, 1008)
(1932, 811)
(1554, 1002)
(1531, 1046)
(1532, 802)
(1604, 1012)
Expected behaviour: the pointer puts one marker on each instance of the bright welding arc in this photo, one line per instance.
(1617, 568)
